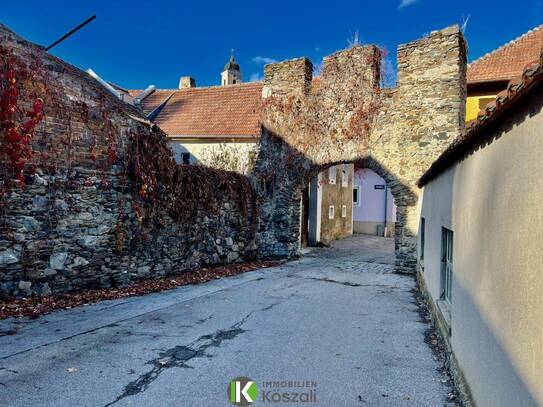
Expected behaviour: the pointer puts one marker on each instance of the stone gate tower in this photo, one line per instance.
(344, 116)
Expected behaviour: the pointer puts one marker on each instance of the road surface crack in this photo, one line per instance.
(329, 280)
(178, 356)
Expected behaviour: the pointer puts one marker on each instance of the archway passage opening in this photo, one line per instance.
(358, 198)
(327, 206)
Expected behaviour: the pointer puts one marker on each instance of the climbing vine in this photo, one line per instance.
(85, 138)
(339, 108)
(326, 123)
(182, 190)
(20, 114)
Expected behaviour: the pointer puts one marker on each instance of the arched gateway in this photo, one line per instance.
(343, 116)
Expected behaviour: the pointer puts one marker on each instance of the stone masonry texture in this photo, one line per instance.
(343, 116)
(61, 233)
(74, 225)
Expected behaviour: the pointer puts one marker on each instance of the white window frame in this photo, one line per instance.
(332, 175)
(331, 212)
(357, 201)
(345, 176)
(344, 211)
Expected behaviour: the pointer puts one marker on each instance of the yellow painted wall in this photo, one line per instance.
(476, 103)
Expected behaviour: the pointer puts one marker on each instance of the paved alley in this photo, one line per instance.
(338, 318)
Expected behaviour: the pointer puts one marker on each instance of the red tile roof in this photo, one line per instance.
(478, 132)
(508, 61)
(232, 110)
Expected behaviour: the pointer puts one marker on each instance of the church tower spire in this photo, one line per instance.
(232, 73)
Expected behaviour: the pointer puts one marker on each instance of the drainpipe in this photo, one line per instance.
(386, 204)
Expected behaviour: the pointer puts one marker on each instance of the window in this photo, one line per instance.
(332, 174)
(344, 176)
(234, 81)
(331, 212)
(344, 211)
(422, 237)
(446, 264)
(356, 195)
(185, 158)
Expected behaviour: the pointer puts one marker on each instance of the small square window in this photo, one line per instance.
(331, 212)
(344, 211)
(185, 158)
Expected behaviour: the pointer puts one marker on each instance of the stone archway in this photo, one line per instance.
(405, 238)
(344, 116)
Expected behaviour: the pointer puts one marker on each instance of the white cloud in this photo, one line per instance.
(407, 3)
(263, 60)
(255, 77)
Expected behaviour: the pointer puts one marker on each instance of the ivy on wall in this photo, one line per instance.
(21, 111)
(32, 101)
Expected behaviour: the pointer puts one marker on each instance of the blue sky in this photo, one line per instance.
(137, 43)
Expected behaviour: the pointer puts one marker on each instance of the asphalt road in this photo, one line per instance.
(338, 319)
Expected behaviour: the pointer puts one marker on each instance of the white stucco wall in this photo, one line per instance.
(234, 156)
(492, 201)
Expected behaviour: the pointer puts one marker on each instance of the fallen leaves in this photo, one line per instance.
(35, 306)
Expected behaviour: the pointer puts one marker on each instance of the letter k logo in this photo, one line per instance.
(245, 391)
(242, 391)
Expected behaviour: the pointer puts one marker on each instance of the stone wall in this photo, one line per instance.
(422, 118)
(80, 221)
(343, 116)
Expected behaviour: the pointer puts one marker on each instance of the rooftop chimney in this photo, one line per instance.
(187, 82)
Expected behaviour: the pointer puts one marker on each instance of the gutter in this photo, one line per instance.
(221, 137)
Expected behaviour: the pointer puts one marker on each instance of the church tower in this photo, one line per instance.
(231, 74)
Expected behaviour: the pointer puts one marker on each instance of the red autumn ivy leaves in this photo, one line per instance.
(17, 124)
